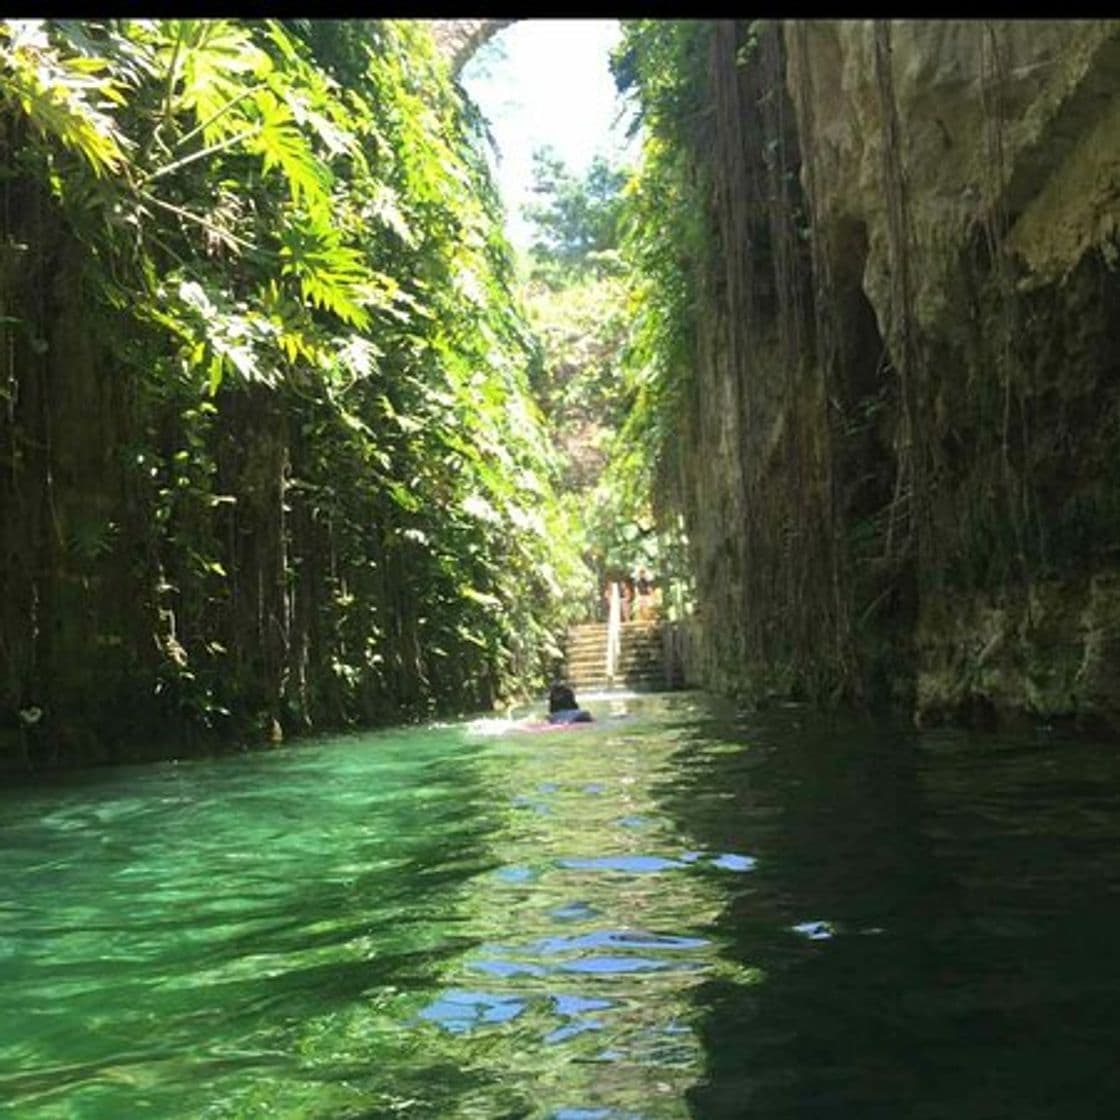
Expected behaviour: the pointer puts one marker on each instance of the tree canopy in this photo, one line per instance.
(578, 219)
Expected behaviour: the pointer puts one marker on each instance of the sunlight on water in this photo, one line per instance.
(336, 927)
(675, 911)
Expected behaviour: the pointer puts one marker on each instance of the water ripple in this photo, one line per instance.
(697, 913)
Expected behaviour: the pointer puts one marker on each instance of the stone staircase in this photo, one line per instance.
(641, 660)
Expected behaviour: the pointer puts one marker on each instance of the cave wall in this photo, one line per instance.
(902, 481)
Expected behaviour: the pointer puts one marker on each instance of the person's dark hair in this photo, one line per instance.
(561, 698)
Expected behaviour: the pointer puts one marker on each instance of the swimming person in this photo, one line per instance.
(563, 707)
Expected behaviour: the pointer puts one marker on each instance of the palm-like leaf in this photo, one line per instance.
(69, 99)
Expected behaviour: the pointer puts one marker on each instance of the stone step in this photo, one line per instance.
(627, 641)
(639, 663)
(599, 668)
(591, 653)
(628, 673)
(626, 628)
(573, 671)
(582, 684)
(625, 651)
(625, 662)
(626, 665)
(627, 657)
(597, 647)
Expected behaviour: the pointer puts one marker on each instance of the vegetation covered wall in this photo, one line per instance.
(881, 312)
(267, 455)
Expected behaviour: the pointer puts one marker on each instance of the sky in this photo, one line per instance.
(547, 82)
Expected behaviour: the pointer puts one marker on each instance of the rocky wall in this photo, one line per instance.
(914, 494)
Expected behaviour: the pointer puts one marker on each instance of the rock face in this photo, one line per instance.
(458, 39)
(902, 456)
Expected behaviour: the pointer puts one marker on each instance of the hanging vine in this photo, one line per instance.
(826, 330)
(1003, 320)
(912, 489)
(330, 496)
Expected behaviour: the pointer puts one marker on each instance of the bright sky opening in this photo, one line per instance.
(547, 83)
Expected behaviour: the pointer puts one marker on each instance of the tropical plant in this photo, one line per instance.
(329, 496)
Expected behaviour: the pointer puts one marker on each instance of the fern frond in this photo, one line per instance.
(67, 99)
(281, 144)
(331, 275)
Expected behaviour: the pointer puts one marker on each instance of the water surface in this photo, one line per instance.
(683, 912)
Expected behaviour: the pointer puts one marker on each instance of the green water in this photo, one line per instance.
(683, 912)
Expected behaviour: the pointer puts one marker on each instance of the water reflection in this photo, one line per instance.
(933, 914)
(423, 923)
(606, 928)
(684, 913)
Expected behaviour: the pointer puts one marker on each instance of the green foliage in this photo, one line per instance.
(582, 326)
(577, 220)
(611, 296)
(663, 63)
(576, 299)
(68, 99)
(337, 479)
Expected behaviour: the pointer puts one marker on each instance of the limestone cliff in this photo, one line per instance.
(908, 364)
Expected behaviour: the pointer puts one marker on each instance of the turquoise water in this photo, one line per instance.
(683, 912)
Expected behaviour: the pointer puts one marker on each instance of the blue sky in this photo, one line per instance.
(547, 82)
